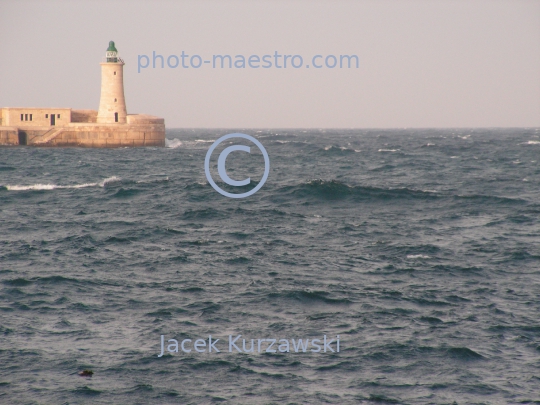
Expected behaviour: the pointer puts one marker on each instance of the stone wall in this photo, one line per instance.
(109, 136)
(142, 130)
(9, 136)
(18, 116)
(83, 115)
(33, 134)
(144, 119)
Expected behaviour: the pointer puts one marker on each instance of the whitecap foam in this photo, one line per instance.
(31, 187)
(38, 186)
(280, 141)
(388, 150)
(109, 180)
(80, 185)
(173, 143)
(530, 143)
(418, 257)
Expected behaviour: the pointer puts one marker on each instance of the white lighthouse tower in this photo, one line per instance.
(112, 104)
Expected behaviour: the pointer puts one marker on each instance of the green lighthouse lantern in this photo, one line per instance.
(112, 53)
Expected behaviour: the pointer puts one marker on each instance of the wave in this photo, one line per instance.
(530, 143)
(337, 150)
(110, 180)
(39, 187)
(203, 213)
(418, 257)
(491, 198)
(464, 353)
(308, 297)
(334, 189)
(23, 282)
(161, 180)
(291, 143)
(172, 143)
(126, 192)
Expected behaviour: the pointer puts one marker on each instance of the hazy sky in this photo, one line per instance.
(431, 63)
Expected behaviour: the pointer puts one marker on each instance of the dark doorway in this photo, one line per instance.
(115, 117)
(23, 138)
(53, 119)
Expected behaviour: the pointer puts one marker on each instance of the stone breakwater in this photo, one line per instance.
(139, 130)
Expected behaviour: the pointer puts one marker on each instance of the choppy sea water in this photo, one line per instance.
(419, 248)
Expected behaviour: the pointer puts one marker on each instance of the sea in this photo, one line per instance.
(419, 248)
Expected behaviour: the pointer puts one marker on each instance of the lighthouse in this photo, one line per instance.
(109, 127)
(112, 104)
